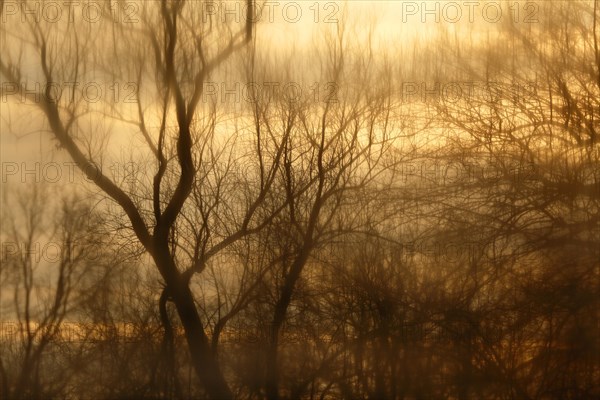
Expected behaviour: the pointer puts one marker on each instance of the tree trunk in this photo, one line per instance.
(205, 362)
(272, 383)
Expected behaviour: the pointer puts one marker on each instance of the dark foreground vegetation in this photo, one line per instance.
(421, 221)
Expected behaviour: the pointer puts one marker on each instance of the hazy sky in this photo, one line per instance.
(287, 26)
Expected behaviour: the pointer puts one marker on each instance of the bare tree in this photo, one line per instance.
(346, 241)
(47, 250)
(525, 143)
(178, 50)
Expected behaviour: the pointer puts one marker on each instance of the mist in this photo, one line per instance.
(248, 199)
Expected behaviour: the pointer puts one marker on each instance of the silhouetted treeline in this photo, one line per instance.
(384, 232)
